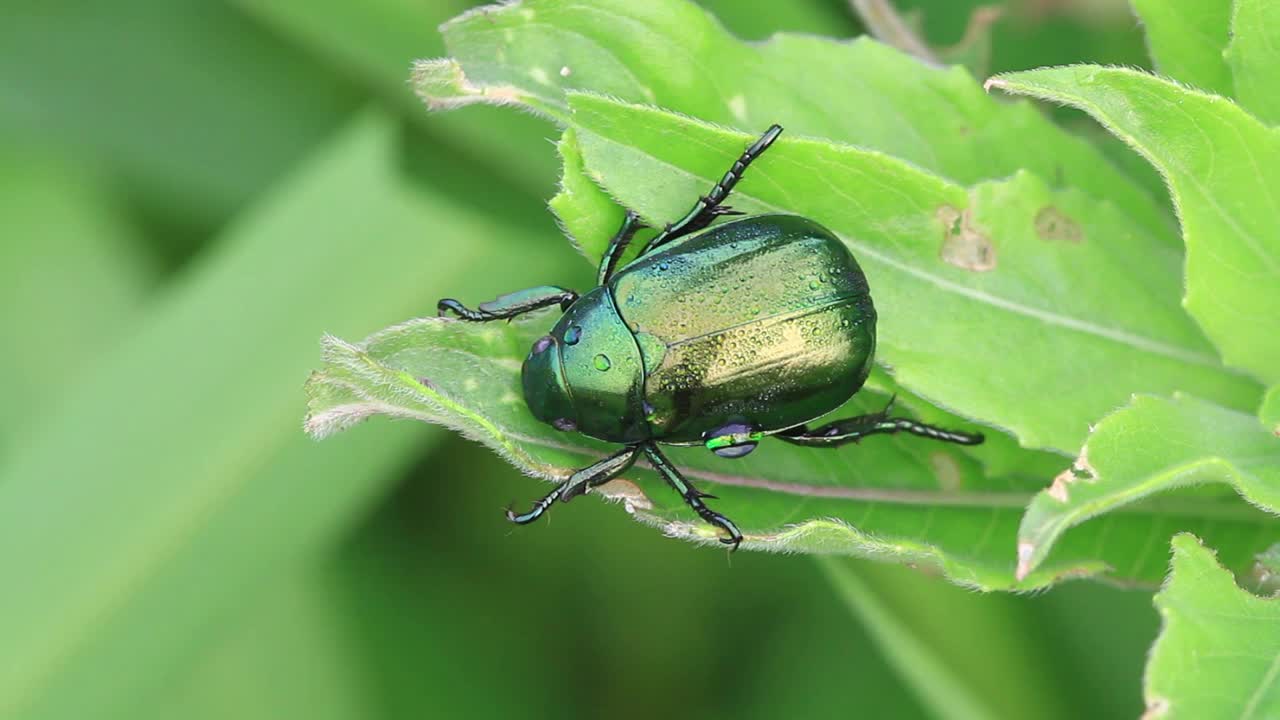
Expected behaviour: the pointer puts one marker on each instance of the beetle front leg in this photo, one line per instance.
(578, 483)
(692, 495)
(510, 305)
(708, 206)
(842, 432)
(617, 246)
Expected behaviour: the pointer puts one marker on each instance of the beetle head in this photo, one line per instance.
(545, 390)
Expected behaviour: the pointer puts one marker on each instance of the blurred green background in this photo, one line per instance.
(191, 193)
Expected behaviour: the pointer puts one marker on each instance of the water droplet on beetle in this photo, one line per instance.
(602, 362)
(813, 284)
(735, 451)
(572, 335)
(664, 265)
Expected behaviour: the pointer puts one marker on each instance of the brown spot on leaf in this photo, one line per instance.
(632, 497)
(1079, 470)
(1266, 572)
(1053, 224)
(964, 245)
(1025, 551)
(1157, 708)
(946, 470)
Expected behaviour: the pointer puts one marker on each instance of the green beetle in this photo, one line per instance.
(748, 329)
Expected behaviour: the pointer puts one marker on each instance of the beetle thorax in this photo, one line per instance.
(587, 375)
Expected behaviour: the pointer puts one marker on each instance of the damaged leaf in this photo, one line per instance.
(1219, 650)
(1152, 446)
(963, 245)
(1223, 166)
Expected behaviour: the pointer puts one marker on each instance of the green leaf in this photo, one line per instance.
(374, 41)
(1007, 279)
(192, 146)
(287, 655)
(1254, 57)
(586, 213)
(73, 276)
(898, 498)
(1218, 655)
(1187, 40)
(1224, 169)
(1270, 411)
(673, 54)
(1155, 445)
(175, 479)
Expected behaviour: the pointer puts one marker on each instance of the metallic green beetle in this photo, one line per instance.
(750, 328)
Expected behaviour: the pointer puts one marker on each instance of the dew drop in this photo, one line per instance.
(602, 362)
(735, 451)
(664, 266)
(813, 284)
(573, 335)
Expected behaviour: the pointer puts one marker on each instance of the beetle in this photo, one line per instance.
(714, 335)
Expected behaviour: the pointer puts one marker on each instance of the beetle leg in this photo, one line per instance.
(617, 246)
(538, 508)
(510, 305)
(691, 495)
(578, 483)
(705, 210)
(842, 432)
(600, 473)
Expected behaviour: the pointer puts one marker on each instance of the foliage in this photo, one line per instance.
(1024, 282)
(1011, 278)
(1216, 656)
(194, 192)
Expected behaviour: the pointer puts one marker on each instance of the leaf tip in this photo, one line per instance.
(442, 85)
(995, 81)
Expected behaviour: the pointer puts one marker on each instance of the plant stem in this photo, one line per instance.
(884, 22)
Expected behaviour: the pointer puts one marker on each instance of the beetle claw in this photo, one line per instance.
(725, 210)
